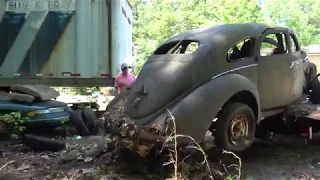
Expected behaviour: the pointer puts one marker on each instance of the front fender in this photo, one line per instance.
(194, 113)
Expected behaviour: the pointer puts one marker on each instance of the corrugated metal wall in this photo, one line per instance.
(59, 38)
(121, 34)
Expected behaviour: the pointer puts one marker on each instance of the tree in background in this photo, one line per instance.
(300, 15)
(156, 20)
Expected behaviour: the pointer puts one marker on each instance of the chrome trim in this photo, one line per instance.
(45, 111)
(58, 109)
(51, 119)
(292, 64)
(232, 70)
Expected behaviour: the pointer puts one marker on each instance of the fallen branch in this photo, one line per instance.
(6, 164)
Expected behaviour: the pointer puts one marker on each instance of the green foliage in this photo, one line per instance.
(156, 20)
(64, 121)
(301, 15)
(12, 124)
(85, 91)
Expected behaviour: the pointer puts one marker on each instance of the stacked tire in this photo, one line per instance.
(85, 121)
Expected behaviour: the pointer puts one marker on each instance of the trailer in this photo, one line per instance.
(70, 43)
(66, 43)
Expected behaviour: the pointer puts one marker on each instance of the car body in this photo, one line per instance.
(253, 68)
(41, 115)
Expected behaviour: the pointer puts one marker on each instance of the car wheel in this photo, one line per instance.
(91, 120)
(310, 74)
(235, 127)
(315, 90)
(40, 143)
(77, 120)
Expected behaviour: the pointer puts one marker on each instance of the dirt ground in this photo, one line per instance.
(86, 158)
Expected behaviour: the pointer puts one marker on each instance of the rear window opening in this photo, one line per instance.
(178, 47)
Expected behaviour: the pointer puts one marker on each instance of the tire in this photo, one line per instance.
(39, 143)
(226, 118)
(21, 97)
(77, 120)
(315, 90)
(90, 120)
(116, 99)
(310, 74)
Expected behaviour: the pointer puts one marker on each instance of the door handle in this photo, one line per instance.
(292, 64)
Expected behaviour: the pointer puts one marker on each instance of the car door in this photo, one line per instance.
(274, 69)
(298, 78)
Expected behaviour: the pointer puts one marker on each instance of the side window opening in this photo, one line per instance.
(294, 43)
(274, 44)
(241, 49)
(178, 47)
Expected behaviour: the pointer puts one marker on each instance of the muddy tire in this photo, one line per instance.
(77, 120)
(90, 120)
(315, 90)
(39, 143)
(310, 74)
(21, 97)
(41, 92)
(235, 127)
(116, 99)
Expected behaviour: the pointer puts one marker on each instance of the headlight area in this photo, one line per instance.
(46, 111)
(46, 118)
(32, 113)
(48, 115)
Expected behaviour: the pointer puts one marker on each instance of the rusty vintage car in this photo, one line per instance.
(225, 79)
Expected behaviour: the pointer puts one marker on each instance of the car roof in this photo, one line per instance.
(225, 30)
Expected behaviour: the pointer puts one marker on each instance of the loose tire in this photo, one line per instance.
(90, 120)
(40, 143)
(310, 74)
(315, 90)
(235, 127)
(77, 120)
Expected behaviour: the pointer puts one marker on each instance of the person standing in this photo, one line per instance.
(124, 79)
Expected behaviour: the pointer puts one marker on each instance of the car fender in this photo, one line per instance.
(195, 112)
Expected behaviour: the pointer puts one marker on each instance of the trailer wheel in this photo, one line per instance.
(40, 143)
(91, 120)
(315, 90)
(235, 127)
(77, 120)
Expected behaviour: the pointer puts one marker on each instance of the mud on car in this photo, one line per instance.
(225, 79)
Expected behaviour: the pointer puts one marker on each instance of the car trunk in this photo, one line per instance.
(161, 79)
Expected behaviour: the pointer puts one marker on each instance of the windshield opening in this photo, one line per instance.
(178, 47)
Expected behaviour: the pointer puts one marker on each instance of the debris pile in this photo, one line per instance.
(125, 132)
